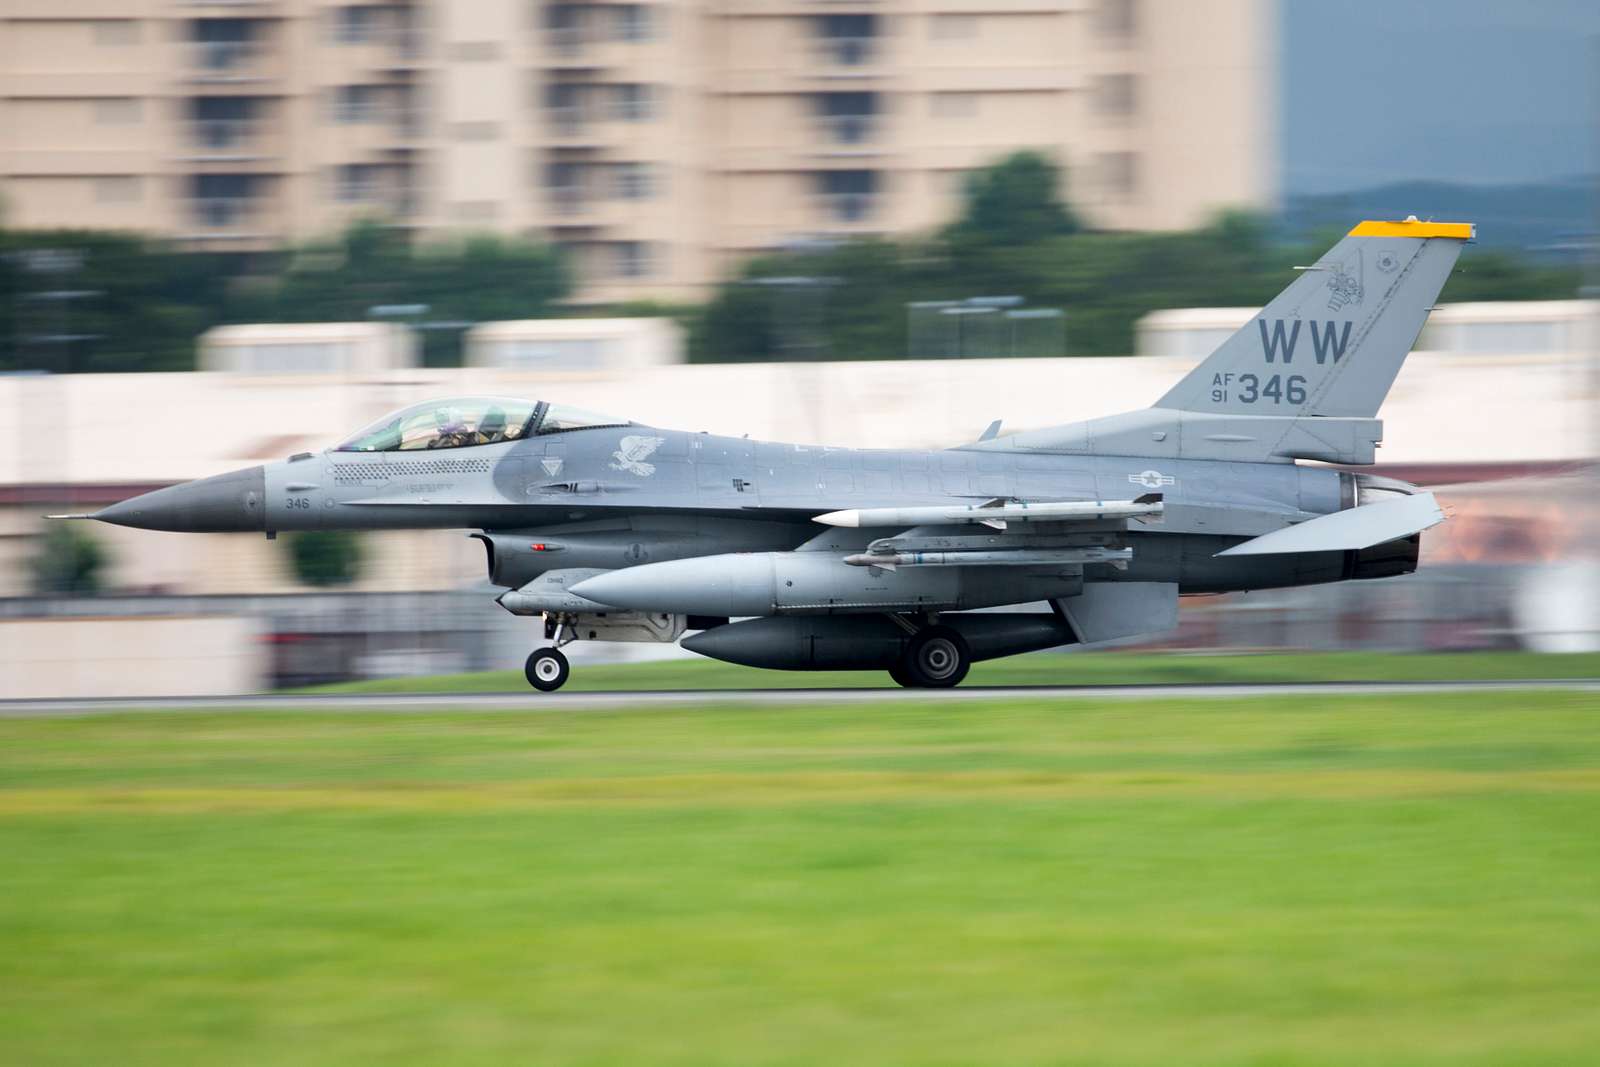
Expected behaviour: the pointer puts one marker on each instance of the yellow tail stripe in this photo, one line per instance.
(1462, 230)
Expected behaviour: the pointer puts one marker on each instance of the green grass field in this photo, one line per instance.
(1329, 880)
(1061, 668)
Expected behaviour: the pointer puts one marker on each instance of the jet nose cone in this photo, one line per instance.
(226, 503)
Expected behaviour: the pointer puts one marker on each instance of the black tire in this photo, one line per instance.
(937, 658)
(898, 673)
(547, 670)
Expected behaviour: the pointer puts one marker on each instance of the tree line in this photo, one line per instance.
(125, 302)
(1015, 237)
(75, 301)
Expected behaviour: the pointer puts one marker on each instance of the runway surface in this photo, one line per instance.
(631, 700)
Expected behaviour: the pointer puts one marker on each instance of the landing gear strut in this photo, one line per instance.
(547, 669)
(935, 658)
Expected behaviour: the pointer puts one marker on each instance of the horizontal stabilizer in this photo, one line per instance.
(1343, 531)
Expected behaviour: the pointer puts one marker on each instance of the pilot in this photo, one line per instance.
(451, 431)
(492, 427)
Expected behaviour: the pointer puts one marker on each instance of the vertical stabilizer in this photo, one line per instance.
(1332, 342)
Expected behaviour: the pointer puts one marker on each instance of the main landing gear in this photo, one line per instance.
(547, 669)
(936, 657)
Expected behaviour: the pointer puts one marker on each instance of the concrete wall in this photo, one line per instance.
(129, 657)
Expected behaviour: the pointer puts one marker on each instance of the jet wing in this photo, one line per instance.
(1355, 528)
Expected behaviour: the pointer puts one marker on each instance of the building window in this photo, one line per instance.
(116, 32)
(953, 105)
(634, 23)
(224, 201)
(564, 28)
(563, 183)
(849, 195)
(357, 183)
(635, 259)
(118, 110)
(636, 102)
(355, 25)
(222, 44)
(848, 40)
(1119, 174)
(636, 181)
(848, 118)
(1116, 95)
(355, 103)
(221, 122)
(565, 105)
(1118, 20)
(953, 27)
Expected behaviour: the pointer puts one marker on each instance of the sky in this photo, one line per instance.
(1476, 91)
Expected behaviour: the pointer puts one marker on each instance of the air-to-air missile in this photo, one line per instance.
(1036, 557)
(997, 513)
(612, 530)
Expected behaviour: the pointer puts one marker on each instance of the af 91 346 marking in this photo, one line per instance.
(1251, 388)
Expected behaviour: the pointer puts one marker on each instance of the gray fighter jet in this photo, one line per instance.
(803, 557)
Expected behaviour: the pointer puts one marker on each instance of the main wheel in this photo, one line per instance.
(547, 670)
(937, 658)
(898, 673)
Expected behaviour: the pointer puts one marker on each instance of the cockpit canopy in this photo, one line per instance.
(464, 421)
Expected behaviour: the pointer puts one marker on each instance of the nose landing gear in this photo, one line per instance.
(547, 669)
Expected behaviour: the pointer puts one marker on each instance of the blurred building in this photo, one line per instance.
(575, 344)
(658, 140)
(309, 348)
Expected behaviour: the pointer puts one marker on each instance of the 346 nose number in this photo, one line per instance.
(298, 502)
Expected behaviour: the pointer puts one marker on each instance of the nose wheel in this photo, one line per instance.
(547, 670)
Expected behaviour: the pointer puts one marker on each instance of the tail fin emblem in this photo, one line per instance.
(1345, 285)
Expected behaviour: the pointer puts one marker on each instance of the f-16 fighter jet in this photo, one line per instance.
(803, 557)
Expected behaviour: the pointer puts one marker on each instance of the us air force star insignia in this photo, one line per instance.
(1152, 479)
(631, 453)
(551, 465)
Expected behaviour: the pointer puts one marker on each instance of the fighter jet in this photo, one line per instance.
(805, 557)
